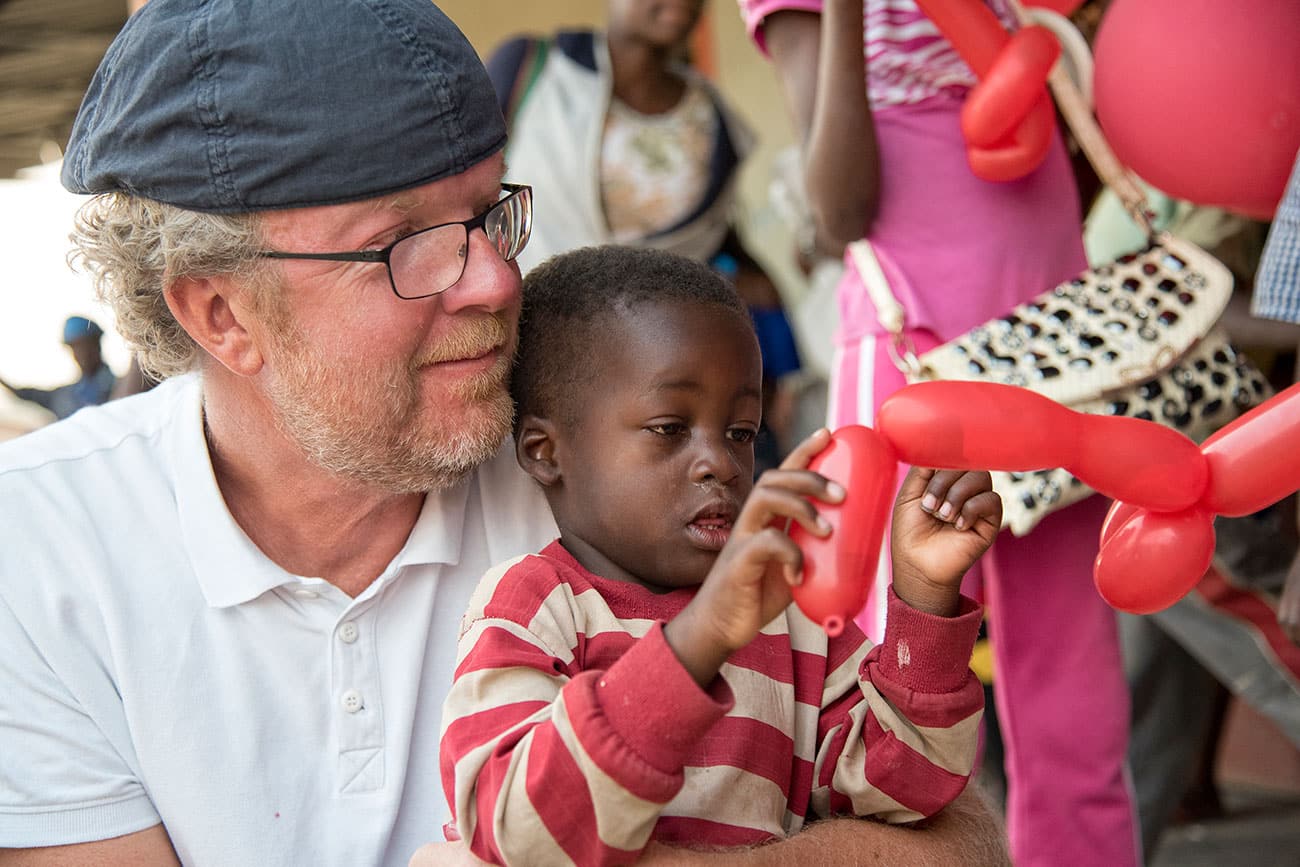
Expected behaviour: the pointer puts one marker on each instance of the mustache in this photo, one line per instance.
(473, 338)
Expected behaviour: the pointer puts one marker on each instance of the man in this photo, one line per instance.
(82, 337)
(241, 658)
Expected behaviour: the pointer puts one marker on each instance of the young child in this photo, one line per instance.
(646, 676)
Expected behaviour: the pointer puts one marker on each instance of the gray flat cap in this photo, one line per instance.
(230, 106)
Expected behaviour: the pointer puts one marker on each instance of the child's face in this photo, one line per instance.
(661, 457)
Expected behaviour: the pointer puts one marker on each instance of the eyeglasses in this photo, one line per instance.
(432, 260)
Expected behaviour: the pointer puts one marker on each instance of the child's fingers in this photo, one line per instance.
(948, 490)
(772, 547)
(985, 506)
(915, 483)
(780, 501)
(801, 455)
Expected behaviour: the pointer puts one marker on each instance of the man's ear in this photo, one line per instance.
(535, 449)
(209, 310)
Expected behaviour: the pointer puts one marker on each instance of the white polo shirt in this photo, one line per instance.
(155, 666)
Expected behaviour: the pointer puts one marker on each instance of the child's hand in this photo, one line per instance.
(944, 520)
(750, 582)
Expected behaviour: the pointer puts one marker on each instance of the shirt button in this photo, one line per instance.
(351, 701)
(302, 593)
(348, 632)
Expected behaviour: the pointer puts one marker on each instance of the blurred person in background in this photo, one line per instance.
(625, 142)
(82, 337)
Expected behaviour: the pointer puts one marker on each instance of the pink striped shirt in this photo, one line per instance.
(572, 734)
(908, 59)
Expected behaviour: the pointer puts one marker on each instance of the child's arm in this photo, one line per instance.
(907, 711)
(544, 763)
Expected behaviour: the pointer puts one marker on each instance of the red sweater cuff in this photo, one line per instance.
(655, 707)
(926, 652)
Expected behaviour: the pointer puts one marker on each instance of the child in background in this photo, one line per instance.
(646, 676)
(876, 94)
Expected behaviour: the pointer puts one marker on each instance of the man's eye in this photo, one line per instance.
(667, 429)
(742, 434)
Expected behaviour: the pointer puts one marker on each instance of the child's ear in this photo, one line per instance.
(535, 449)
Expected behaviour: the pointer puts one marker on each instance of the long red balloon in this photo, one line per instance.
(1255, 461)
(980, 425)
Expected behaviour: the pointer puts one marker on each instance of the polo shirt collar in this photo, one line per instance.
(229, 567)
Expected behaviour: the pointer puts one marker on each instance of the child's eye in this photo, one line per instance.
(742, 434)
(667, 429)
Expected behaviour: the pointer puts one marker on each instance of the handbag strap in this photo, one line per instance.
(889, 310)
(1077, 111)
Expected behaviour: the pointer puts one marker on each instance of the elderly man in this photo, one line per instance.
(229, 606)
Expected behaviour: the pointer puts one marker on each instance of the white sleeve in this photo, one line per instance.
(62, 780)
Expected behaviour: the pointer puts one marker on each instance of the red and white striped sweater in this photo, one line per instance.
(572, 734)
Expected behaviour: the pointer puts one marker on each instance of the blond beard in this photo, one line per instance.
(368, 426)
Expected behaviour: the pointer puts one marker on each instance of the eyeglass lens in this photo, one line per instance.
(431, 261)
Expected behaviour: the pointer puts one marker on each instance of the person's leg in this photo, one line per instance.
(1173, 699)
(1062, 699)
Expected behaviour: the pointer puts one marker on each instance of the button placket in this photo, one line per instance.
(359, 718)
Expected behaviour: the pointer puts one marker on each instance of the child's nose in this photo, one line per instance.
(715, 461)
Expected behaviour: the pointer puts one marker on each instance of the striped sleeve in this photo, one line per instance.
(544, 763)
(899, 722)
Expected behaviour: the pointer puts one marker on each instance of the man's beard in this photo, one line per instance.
(369, 425)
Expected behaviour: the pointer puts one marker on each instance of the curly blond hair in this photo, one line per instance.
(135, 248)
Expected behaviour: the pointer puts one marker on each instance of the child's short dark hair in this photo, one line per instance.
(567, 296)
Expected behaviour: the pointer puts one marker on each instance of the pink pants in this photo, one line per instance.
(1059, 682)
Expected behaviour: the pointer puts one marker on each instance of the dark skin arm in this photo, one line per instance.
(819, 61)
(148, 848)
(966, 832)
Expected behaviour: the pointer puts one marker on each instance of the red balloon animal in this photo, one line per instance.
(1158, 539)
(1201, 98)
(1159, 536)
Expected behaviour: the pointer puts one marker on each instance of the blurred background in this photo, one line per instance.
(49, 49)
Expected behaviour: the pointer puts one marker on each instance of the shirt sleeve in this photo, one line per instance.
(62, 781)
(543, 763)
(754, 12)
(899, 723)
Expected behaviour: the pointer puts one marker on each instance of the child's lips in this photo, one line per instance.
(711, 526)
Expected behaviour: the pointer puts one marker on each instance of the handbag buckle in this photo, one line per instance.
(903, 353)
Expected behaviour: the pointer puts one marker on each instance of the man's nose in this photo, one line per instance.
(488, 281)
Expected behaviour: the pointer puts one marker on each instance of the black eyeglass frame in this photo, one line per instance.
(384, 255)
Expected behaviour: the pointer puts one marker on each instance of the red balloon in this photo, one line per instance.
(1011, 87)
(1254, 461)
(1202, 97)
(977, 425)
(838, 570)
(1138, 461)
(1015, 101)
(1150, 560)
(981, 425)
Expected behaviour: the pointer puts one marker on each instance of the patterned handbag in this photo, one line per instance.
(1135, 337)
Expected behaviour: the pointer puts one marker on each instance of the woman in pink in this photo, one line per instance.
(887, 161)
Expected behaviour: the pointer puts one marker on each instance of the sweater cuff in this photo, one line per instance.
(655, 706)
(925, 652)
